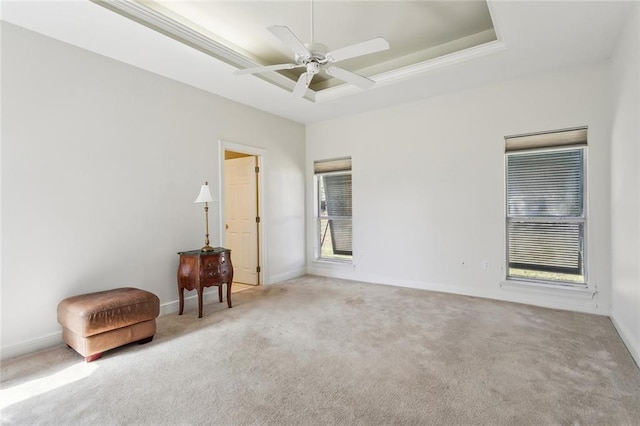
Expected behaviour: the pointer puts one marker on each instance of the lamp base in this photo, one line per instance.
(206, 248)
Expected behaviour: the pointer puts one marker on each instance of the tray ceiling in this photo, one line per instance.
(236, 31)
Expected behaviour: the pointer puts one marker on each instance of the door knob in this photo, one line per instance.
(226, 226)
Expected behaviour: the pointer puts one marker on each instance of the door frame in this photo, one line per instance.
(261, 155)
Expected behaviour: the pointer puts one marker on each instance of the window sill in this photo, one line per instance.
(334, 262)
(583, 293)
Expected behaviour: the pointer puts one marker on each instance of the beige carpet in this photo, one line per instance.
(325, 351)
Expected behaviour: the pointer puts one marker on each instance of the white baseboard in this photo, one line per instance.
(209, 295)
(33, 345)
(286, 276)
(627, 337)
(564, 303)
(345, 271)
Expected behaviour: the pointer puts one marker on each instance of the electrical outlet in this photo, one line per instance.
(485, 264)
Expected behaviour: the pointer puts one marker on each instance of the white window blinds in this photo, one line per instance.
(545, 184)
(334, 193)
(545, 206)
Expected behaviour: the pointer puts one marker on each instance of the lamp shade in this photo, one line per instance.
(205, 195)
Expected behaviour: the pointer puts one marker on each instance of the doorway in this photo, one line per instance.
(241, 212)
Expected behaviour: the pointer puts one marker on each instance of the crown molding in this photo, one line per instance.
(405, 73)
(151, 18)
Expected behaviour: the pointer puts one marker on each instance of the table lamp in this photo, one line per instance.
(206, 198)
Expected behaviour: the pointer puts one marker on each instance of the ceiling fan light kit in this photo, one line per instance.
(316, 57)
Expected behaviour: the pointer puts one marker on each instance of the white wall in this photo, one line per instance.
(101, 163)
(625, 185)
(428, 184)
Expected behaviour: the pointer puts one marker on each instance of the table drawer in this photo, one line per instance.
(217, 275)
(212, 262)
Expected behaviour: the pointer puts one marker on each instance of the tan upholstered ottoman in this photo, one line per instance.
(96, 322)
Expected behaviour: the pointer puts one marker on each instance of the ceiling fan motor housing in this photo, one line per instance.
(318, 54)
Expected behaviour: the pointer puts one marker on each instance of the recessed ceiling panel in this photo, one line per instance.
(417, 31)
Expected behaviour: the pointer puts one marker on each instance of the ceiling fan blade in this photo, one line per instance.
(358, 49)
(301, 86)
(286, 36)
(256, 70)
(350, 77)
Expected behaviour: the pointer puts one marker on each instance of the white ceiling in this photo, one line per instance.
(532, 37)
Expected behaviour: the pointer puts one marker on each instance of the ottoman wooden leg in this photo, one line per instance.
(145, 340)
(93, 357)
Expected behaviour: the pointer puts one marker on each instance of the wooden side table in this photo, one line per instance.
(198, 269)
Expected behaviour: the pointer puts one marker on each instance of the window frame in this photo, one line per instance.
(583, 219)
(318, 218)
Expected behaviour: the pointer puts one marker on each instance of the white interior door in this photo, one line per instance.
(241, 211)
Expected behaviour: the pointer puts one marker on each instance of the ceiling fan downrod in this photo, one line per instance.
(312, 30)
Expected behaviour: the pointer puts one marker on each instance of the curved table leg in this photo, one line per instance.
(200, 302)
(181, 297)
(228, 293)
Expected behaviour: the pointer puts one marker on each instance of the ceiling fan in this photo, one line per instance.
(316, 57)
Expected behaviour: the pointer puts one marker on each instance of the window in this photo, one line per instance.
(333, 209)
(545, 207)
